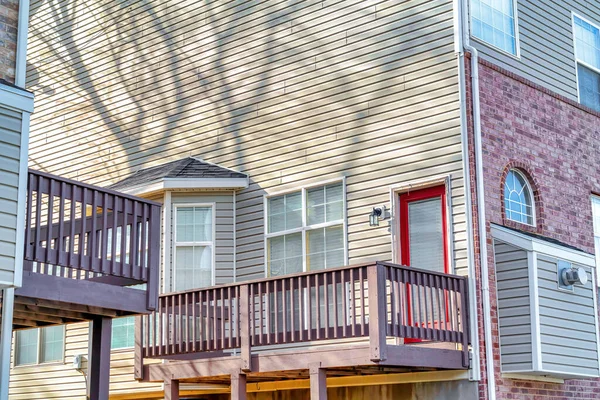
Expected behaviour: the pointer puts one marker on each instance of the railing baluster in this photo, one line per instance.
(335, 305)
(326, 303)
(285, 308)
(293, 310)
(361, 279)
(318, 304)
(301, 310)
(194, 322)
(113, 238)
(93, 242)
(142, 270)
(344, 304)
(30, 190)
(104, 267)
(309, 306)
(160, 334)
(260, 314)
(276, 298)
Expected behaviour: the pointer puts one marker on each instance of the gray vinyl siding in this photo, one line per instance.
(10, 153)
(514, 308)
(567, 323)
(546, 42)
(223, 241)
(291, 93)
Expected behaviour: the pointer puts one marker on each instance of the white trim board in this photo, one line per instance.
(16, 99)
(531, 243)
(187, 183)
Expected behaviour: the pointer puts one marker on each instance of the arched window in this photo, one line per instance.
(518, 198)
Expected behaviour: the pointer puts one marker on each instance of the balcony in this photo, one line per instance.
(373, 318)
(83, 246)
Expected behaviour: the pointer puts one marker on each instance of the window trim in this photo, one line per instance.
(304, 228)
(595, 198)
(406, 197)
(39, 349)
(173, 240)
(531, 192)
(517, 54)
(575, 58)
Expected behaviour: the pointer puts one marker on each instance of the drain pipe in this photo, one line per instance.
(485, 285)
(475, 372)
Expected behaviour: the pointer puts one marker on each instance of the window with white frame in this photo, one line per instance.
(123, 333)
(518, 198)
(40, 345)
(305, 230)
(596, 217)
(494, 21)
(587, 54)
(193, 246)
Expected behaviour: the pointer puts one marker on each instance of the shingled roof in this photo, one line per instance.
(187, 168)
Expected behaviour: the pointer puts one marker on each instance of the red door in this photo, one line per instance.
(424, 245)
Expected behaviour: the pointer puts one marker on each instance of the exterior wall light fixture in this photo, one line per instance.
(378, 214)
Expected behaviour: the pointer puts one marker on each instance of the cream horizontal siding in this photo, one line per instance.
(61, 381)
(546, 42)
(10, 154)
(292, 93)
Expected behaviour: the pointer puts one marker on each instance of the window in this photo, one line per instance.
(193, 247)
(587, 54)
(596, 217)
(423, 229)
(518, 198)
(43, 345)
(123, 333)
(494, 21)
(305, 230)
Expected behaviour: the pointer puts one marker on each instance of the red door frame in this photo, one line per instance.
(405, 199)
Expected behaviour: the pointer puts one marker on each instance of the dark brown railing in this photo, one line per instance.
(79, 231)
(330, 304)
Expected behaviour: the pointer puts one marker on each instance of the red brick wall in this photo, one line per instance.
(557, 143)
(9, 12)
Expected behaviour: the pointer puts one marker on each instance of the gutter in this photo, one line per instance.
(483, 251)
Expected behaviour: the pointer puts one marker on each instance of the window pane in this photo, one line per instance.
(325, 247)
(27, 346)
(589, 87)
(193, 267)
(194, 224)
(325, 204)
(587, 42)
(123, 333)
(52, 343)
(284, 212)
(518, 200)
(426, 236)
(493, 22)
(285, 254)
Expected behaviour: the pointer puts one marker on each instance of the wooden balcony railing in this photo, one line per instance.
(79, 231)
(377, 301)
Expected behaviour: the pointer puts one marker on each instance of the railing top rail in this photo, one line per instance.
(309, 273)
(93, 187)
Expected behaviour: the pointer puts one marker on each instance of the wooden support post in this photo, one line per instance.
(138, 357)
(8, 300)
(238, 386)
(171, 389)
(99, 365)
(318, 382)
(377, 312)
(245, 351)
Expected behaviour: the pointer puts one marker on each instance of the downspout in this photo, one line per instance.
(22, 32)
(475, 372)
(483, 251)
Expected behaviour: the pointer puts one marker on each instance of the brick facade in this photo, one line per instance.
(9, 16)
(556, 142)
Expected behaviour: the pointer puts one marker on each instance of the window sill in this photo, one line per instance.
(48, 364)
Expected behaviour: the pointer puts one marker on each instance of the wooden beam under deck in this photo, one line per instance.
(84, 292)
(351, 356)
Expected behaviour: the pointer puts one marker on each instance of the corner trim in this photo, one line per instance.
(529, 243)
(16, 99)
